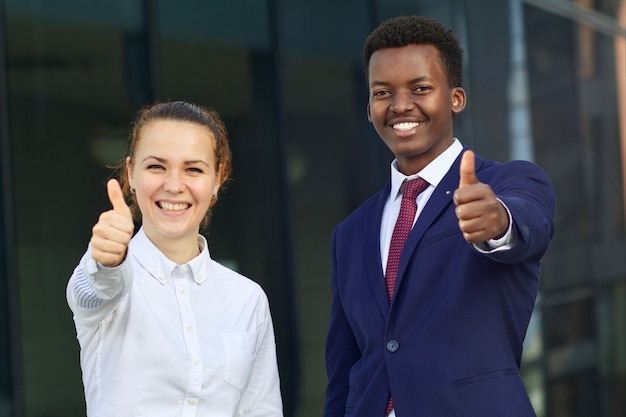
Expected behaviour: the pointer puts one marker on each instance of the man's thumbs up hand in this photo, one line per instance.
(467, 170)
(481, 216)
(111, 235)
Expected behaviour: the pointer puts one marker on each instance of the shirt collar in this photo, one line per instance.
(160, 267)
(433, 173)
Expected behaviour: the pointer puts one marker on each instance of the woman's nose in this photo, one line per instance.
(173, 183)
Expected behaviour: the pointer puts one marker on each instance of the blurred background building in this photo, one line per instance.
(546, 81)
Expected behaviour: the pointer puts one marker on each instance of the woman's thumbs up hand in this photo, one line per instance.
(115, 227)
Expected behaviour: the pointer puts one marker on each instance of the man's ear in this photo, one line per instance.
(459, 100)
(369, 114)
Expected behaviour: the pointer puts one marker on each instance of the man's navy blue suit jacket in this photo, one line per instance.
(450, 342)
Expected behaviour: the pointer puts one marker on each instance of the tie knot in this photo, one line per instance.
(411, 189)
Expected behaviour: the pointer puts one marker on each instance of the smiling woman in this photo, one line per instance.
(161, 288)
(175, 177)
(200, 128)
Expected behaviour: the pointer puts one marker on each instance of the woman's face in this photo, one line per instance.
(174, 175)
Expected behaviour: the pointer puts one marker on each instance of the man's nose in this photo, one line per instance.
(402, 102)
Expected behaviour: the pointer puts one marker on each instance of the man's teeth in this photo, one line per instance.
(405, 125)
(173, 207)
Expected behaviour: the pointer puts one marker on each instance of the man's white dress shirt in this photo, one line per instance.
(161, 339)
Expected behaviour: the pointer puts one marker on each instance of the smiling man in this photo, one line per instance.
(434, 277)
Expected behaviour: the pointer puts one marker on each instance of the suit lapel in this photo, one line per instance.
(371, 249)
(437, 203)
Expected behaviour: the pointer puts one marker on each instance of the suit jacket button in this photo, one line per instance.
(392, 345)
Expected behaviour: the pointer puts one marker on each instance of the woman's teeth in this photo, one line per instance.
(172, 206)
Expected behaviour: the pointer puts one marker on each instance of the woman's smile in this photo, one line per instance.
(174, 178)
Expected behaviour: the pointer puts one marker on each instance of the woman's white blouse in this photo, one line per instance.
(161, 339)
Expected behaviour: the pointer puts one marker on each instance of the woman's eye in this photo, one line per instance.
(195, 169)
(154, 167)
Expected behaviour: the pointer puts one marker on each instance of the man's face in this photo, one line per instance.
(411, 104)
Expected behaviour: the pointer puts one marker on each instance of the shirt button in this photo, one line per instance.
(196, 362)
(392, 346)
(191, 401)
(183, 292)
(190, 328)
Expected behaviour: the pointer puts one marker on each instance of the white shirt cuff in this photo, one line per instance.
(506, 242)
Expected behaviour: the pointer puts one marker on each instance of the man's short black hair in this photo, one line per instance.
(407, 30)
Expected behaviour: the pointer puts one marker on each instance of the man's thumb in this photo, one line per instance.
(467, 169)
(116, 197)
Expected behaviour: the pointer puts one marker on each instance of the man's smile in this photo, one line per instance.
(405, 125)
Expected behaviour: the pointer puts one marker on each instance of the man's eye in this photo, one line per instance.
(380, 93)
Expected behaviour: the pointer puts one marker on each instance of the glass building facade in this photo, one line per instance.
(546, 81)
